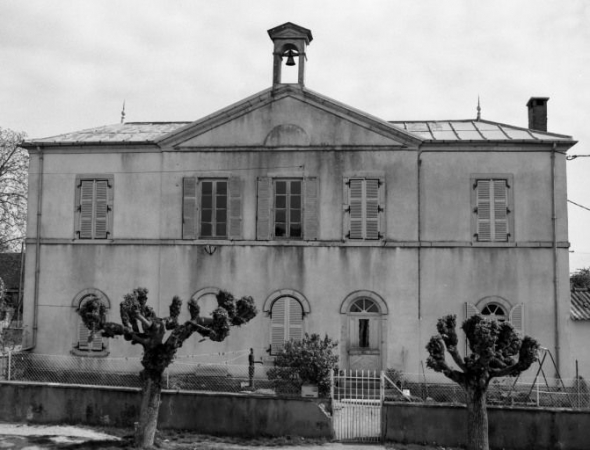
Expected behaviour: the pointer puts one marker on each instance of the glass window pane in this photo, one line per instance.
(280, 229)
(281, 215)
(295, 187)
(295, 215)
(363, 333)
(281, 187)
(296, 201)
(281, 201)
(221, 215)
(206, 229)
(222, 188)
(207, 201)
(295, 230)
(221, 201)
(220, 229)
(207, 187)
(206, 215)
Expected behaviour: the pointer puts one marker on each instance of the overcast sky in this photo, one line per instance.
(67, 65)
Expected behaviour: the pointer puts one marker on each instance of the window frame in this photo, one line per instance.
(289, 196)
(288, 323)
(214, 210)
(109, 179)
(475, 214)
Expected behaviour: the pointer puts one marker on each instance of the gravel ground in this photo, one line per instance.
(73, 437)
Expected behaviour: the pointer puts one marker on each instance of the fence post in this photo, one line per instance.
(332, 384)
(8, 372)
(382, 390)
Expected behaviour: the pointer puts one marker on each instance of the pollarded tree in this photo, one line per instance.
(140, 325)
(496, 350)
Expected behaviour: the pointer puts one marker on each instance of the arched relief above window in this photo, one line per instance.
(286, 135)
(286, 293)
(352, 301)
(498, 308)
(80, 296)
(206, 298)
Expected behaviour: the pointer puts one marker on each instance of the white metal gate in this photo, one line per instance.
(357, 397)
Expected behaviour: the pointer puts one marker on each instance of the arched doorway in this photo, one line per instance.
(363, 331)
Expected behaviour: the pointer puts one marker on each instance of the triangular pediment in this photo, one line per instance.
(289, 116)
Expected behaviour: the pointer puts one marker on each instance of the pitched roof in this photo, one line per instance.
(580, 304)
(10, 264)
(475, 130)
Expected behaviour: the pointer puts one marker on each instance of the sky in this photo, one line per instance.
(68, 65)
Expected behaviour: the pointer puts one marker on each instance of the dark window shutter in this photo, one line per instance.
(483, 211)
(189, 203)
(235, 208)
(263, 213)
(311, 209)
(86, 209)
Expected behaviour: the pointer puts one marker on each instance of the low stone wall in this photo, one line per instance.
(207, 413)
(510, 428)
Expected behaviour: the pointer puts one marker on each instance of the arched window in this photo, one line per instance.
(286, 315)
(364, 331)
(82, 344)
(500, 309)
(494, 311)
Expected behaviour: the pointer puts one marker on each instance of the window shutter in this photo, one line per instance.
(83, 336)
(354, 332)
(277, 338)
(263, 213)
(469, 310)
(189, 204)
(483, 205)
(500, 224)
(517, 318)
(86, 208)
(101, 210)
(372, 209)
(373, 334)
(235, 208)
(311, 209)
(295, 320)
(355, 202)
(97, 342)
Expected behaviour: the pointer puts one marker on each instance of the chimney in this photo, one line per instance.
(538, 113)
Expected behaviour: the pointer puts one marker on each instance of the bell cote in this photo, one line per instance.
(290, 42)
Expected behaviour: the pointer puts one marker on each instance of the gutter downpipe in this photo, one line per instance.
(419, 262)
(37, 251)
(555, 263)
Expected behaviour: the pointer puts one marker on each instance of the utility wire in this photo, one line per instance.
(577, 204)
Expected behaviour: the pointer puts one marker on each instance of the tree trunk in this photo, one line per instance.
(148, 414)
(477, 419)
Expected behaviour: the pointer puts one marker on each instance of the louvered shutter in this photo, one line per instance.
(372, 209)
(101, 209)
(189, 204)
(97, 342)
(354, 332)
(483, 205)
(517, 318)
(355, 204)
(500, 223)
(278, 315)
(235, 208)
(263, 212)
(295, 320)
(83, 333)
(86, 209)
(311, 209)
(373, 334)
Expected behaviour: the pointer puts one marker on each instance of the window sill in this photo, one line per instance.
(90, 353)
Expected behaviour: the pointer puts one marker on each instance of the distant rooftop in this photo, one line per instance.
(474, 130)
(580, 304)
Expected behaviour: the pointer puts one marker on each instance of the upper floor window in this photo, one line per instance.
(492, 207)
(363, 208)
(287, 208)
(212, 208)
(94, 206)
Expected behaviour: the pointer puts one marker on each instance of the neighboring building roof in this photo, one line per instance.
(474, 130)
(580, 304)
(130, 132)
(10, 264)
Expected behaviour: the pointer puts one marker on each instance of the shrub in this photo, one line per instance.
(308, 361)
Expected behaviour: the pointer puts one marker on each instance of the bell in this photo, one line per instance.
(290, 59)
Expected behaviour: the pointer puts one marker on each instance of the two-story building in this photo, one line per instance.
(335, 221)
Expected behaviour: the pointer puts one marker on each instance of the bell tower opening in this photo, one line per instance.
(290, 42)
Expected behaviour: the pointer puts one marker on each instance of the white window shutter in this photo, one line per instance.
(86, 209)
(295, 320)
(517, 318)
(500, 225)
(278, 315)
(83, 333)
(189, 204)
(374, 334)
(354, 332)
(372, 209)
(311, 209)
(355, 202)
(483, 205)
(101, 209)
(235, 208)
(263, 212)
